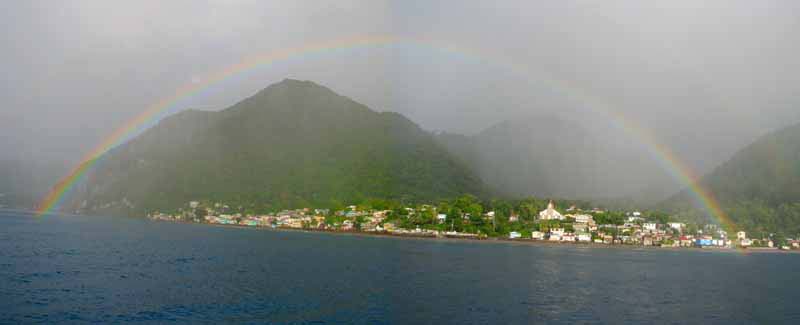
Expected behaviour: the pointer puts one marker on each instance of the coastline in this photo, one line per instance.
(496, 240)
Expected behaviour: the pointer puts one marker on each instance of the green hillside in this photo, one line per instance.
(543, 157)
(292, 144)
(759, 187)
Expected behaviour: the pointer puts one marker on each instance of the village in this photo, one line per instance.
(576, 226)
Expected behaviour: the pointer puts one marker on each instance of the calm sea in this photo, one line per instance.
(60, 269)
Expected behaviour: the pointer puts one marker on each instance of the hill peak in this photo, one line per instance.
(296, 85)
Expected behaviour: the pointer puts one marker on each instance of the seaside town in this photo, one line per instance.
(457, 220)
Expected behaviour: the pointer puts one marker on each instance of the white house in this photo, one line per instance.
(550, 213)
(441, 217)
(635, 219)
(650, 226)
(584, 237)
(583, 218)
(741, 235)
(676, 225)
(537, 235)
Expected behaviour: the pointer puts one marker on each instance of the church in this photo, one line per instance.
(550, 213)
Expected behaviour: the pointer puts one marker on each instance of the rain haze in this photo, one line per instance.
(702, 78)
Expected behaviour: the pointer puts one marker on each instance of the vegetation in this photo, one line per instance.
(758, 188)
(298, 144)
(293, 144)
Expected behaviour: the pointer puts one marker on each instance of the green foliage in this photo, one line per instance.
(758, 188)
(294, 144)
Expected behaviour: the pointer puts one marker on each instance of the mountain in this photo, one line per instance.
(555, 156)
(522, 159)
(759, 187)
(293, 144)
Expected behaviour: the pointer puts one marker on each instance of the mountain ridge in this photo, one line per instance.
(758, 187)
(291, 144)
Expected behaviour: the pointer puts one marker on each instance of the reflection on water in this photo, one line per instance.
(70, 268)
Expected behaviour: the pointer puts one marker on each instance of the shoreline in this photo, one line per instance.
(495, 240)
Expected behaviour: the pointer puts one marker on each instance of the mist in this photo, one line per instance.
(703, 79)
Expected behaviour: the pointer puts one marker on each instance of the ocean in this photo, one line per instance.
(62, 269)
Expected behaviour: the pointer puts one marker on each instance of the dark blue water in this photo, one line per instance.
(112, 270)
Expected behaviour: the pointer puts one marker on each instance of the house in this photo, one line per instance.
(568, 237)
(677, 226)
(741, 235)
(580, 228)
(557, 231)
(634, 219)
(583, 218)
(550, 213)
(389, 227)
(647, 241)
(650, 226)
(703, 242)
(347, 225)
(584, 237)
(555, 237)
(537, 235)
(369, 227)
(514, 235)
(441, 217)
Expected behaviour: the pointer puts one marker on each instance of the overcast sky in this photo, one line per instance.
(700, 75)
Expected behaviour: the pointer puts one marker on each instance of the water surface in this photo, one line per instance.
(113, 270)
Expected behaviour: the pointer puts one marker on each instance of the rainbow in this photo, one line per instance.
(666, 158)
(678, 170)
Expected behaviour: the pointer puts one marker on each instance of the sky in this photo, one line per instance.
(704, 77)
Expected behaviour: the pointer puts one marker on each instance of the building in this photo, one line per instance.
(677, 226)
(741, 235)
(514, 235)
(583, 218)
(634, 219)
(513, 217)
(441, 217)
(537, 235)
(584, 237)
(650, 226)
(389, 227)
(550, 213)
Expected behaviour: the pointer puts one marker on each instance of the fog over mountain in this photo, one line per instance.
(705, 79)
